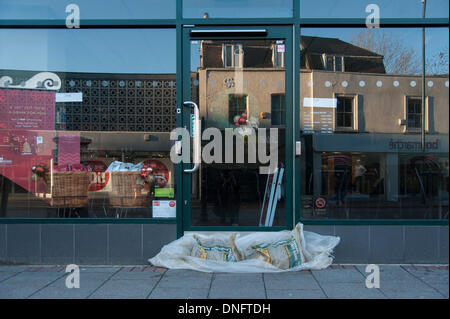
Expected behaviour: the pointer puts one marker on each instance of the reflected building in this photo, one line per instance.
(360, 127)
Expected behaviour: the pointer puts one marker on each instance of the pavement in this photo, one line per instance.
(148, 282)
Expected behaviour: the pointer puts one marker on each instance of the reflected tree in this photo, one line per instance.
(398, 57)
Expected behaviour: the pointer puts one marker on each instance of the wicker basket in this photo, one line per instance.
(70, 189)
(125, 192)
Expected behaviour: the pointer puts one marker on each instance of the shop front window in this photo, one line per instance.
(367, 155)
(85, 133)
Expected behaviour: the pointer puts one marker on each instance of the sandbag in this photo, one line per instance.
(211, 248)
(284, 253)
(316, 249)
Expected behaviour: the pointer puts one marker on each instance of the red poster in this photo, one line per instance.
(27, 109)
(27, 123)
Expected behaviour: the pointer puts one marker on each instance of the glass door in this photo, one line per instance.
(237, 171)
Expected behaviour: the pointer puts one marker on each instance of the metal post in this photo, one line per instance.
(424, 2)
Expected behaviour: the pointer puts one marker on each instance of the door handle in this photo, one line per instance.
(197, 138)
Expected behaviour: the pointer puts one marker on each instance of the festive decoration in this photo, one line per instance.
(244, 124)
(40, 172)
(146, 177)
(242, 120)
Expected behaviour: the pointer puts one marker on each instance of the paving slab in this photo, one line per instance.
(188, 279)
(290, 281)
(328, 275)
(84, 269)
(442, 288)
(13, 268)
(7, 274)
(237, 286)
(389, 273)
(123, 288)
(295, 294)
(338, 290)
(137, 275)
(25, 284)
(89, 282)
(430, 275)
(409, 290)
(179, 293)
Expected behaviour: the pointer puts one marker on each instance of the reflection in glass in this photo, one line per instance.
(357, 9)
(82, 135)
(361, 124)
(99, 9)
(243, 121)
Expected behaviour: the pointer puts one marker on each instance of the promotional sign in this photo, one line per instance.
(164, 208)
(165, 192)
(27, 123)
(97, 176)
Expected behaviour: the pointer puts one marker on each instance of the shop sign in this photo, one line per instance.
(320, 206)
(412, 146)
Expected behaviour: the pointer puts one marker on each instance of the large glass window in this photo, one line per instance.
(85, 117)
(367, 155)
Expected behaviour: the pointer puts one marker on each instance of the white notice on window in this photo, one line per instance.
(319, 102)
(69, 97)
(164, 209)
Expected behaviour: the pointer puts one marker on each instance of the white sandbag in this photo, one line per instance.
(117, 166)
(317, 251)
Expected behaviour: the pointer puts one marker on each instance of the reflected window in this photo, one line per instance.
(344, 112)
(278, 109)
(237, 107)
(414, 113)
(278, 55)
(233, 56)
(333, 63)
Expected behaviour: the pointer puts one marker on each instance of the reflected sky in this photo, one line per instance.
(89, 50)
(89, 9)
(388, 8)
(154, 51)
(146, 9)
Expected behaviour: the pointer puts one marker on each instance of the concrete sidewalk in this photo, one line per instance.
(337, 281)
